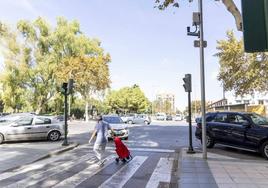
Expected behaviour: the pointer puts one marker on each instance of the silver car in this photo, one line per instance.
(117, 124)
(31, 127)
(139, 119)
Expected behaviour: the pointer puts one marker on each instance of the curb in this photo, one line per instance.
(57, 152)
(50, 154)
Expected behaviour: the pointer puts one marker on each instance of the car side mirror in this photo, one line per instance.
(246, 124)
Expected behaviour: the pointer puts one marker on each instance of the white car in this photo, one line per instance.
(31, 127)
(117, 124)
(178, 117)
(161, 116)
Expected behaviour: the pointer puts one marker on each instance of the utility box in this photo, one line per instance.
(255, 25)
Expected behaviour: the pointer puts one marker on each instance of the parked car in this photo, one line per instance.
(246, 131)
(169, 118)
(119, 127)
(178, 117)
(160, 116)
(139, 119)
(30, 127)
(127, 117)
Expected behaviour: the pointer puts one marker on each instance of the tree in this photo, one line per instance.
(46, 57)
(128, 99)
(239, 71)
(229, 4)
(13, 79)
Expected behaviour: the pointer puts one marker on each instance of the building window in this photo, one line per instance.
(261, 102)
(246, 101)
(238, 101)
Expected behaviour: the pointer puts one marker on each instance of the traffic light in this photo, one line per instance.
(64, 88)
(70, 86)
(255, 25)
(187, 83)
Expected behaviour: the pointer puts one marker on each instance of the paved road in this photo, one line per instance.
(158, 135)
(78, 168)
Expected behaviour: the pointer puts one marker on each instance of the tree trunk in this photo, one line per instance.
(86, 111)
(231, 7)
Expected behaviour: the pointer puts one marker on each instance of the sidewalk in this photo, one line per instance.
(23, 156)
(221, 172)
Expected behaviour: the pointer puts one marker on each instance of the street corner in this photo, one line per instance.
(198, 154)
(59, 150)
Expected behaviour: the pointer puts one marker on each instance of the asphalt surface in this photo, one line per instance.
(159, 135)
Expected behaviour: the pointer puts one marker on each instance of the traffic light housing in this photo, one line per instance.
(64, 88)
(255, 25)
(187, 83)
(70, 86)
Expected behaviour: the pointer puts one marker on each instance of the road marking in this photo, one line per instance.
(162, 172)
(37, 177)
(36, 165)
(84, 174)
(144, 149)
(122, 176)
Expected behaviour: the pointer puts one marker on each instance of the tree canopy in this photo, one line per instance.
(239, 71)
(128, 99)
(38, 58)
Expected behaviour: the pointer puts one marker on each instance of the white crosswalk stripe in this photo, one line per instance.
(69, 171)
(162, 172)
(84, 175)
(123, 175)
(35, 178)
(36, 165)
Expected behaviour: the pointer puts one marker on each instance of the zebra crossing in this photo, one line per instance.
(79, 168)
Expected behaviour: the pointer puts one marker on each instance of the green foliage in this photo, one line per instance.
(39, 58)
(77, 113)
(239, 71)
(127, 99)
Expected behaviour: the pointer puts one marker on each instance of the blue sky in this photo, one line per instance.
(148, 47)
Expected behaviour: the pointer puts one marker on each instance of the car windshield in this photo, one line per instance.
(258, 119)
(114, 120)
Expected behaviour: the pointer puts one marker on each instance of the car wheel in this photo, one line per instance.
(210, 142)
(264, 149)
(1, 138)
(146, 122)
(130, 122)
(54, 136)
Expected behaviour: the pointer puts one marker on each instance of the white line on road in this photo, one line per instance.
(84, 174)
(122, 176)
(162, 172)
(144, 149)
(37, 177)
(35, 166)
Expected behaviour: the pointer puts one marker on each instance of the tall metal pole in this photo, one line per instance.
(202, 75)
(65, 142)
(190, 148)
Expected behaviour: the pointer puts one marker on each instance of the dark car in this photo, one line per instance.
(242, 130)
(169, 118)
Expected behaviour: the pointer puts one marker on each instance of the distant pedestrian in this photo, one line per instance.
(100, 132)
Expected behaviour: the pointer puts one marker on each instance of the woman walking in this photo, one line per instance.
(100, 132)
